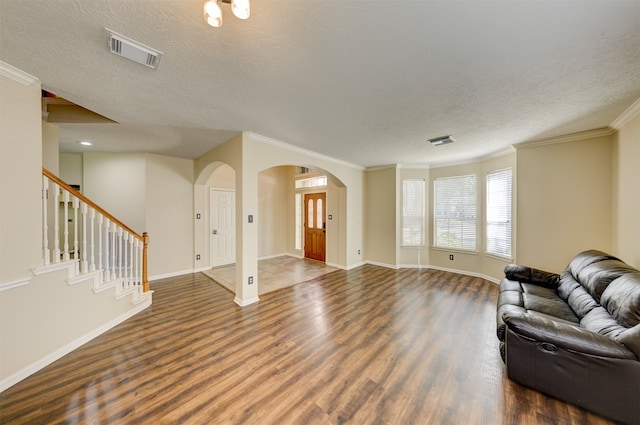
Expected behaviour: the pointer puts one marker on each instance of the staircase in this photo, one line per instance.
(87, 254)
(80, 235)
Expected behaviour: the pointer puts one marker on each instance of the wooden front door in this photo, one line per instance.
(315, 212)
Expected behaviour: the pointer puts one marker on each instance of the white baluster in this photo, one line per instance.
(65, 229)
(100, 232)
(92, 242)
(76, 247)
(46, 254)
(83, 251)
(119, 252)
(56, 223)
(125, 272)
(113, 249)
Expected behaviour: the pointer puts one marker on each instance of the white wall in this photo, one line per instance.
(50, 153)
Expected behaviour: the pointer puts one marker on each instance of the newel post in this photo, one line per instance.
(145, 279)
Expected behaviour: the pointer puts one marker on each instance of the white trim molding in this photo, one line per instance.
(282, 145)
(600, 132)
(17, 75)
(630, 113)
(66, 349)
(244, 303)
(15, 284)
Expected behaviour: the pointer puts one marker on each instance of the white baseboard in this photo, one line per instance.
(66, 349)
(173, 274)
(466, 273)
(244, 303)
(377, 263)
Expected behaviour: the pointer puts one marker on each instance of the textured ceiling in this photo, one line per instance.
(364, 81)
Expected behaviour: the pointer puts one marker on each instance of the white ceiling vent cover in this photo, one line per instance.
(132, 50)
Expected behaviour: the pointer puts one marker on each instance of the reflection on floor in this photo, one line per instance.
(273, 273)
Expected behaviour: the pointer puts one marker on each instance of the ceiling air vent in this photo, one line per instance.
(132, 50)
(442, 140)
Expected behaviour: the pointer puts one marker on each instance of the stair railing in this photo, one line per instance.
(99, 243)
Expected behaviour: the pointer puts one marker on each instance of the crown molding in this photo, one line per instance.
(630, 113)
(17, 75)
(282, 145)
(590, 134)
(502, 152)
(382, 167)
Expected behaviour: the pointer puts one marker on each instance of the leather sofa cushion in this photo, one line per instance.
(622, 299)
(597, 276)
(554, 307)
(631, 339)
(600, 321)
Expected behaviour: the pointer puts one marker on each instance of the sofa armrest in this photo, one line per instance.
(531, 275)
(565, 336)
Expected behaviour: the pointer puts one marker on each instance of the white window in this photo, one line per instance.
(413, 213)
(318, 181)
(455, 213)
(499, 213)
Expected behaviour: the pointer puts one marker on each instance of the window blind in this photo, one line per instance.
(499, 206)
(455, 212)
(413, 212)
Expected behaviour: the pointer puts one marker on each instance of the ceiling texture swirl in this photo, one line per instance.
(363, 81)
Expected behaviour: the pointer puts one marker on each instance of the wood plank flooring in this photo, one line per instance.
(366, 346)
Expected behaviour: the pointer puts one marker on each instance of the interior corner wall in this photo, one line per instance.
(20, 179)
(169, 215)
(626, 192)
(563, 201)
(380, 218)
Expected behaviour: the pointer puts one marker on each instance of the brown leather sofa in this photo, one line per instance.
(575, 336)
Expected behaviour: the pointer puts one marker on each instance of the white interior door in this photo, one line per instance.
(223, 228)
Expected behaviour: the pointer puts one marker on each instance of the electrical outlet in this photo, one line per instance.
(250, 280)
(451, 257)
(358, 252)
(197, 257)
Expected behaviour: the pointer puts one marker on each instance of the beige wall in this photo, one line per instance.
(116, 182)
(564, 200)
(50, 153)
(626, 191)
(273, 207)
(71, 169)
(169, 214)
(20, 177)
(381, 216)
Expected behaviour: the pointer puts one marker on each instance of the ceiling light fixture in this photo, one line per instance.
(442, 140)
(213, 13)
(85, 143)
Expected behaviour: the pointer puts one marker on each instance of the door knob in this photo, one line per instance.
(215, 231)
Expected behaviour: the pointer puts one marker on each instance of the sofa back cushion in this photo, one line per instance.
(596, 277)
(570, 277)
(622, 299)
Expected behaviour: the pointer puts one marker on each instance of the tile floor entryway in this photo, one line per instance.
(273, 273)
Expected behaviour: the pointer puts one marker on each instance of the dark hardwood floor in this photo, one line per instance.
(366, 346)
